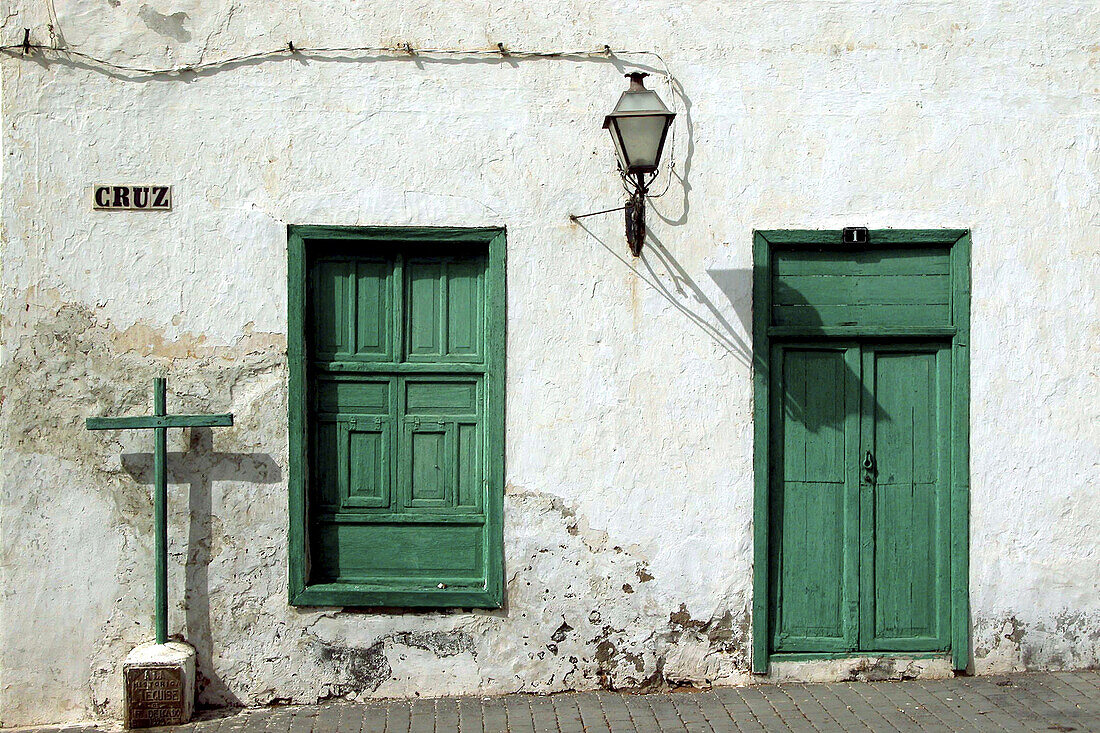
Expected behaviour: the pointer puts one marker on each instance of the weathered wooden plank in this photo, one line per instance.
(818, 290)
(862, 315)
(917, 262)
(162, 421)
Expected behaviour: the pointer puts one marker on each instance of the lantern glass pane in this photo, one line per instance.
(640, 139)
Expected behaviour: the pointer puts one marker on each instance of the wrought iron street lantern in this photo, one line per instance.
(639, 125)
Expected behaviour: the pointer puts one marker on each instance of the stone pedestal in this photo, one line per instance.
(159, 684)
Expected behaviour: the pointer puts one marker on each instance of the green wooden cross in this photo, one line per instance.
(159, 422)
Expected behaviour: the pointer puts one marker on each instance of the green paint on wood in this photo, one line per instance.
(398, 499)
(812, 554)
(850, 560)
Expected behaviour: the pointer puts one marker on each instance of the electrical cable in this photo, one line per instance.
(291, 50)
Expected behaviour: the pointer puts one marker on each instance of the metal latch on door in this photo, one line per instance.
(868, 467)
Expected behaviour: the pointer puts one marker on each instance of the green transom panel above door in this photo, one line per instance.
(401, 417)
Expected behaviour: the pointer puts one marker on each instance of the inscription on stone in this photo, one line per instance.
(154, 696)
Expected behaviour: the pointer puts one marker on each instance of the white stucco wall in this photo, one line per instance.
(629, 433)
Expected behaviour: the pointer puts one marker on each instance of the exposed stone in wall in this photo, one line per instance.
(1065, 639)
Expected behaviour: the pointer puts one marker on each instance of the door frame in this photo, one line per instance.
(957, 241)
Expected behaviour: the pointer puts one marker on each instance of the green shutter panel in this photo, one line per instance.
(399, 385)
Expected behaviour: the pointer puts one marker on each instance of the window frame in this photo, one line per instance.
(301, 591)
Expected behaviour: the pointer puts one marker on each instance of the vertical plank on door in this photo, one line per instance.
(811, 553)
(904, 517)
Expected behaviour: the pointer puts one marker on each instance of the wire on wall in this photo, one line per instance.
(26, 49)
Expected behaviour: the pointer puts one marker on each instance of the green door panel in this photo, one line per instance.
(445, 313)
(428, 465)
(368, 459)
(870, 288)
(813, 558)
(469, 475)
(450, 396)
(351, 306)
(465, 303)
(858, 557)
(325, 464)
(905, 500)
(424, 326)
(331, 290)
(373, 310)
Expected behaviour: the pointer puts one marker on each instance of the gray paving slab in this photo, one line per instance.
(593, 719)
(1060, 701)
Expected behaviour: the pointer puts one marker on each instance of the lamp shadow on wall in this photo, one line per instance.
(199, 466)
(658, 269)
(736, 284)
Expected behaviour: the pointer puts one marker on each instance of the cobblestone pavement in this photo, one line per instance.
(1059, 701)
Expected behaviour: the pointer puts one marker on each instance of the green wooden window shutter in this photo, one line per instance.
(396, 416)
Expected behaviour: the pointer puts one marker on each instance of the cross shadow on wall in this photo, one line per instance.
(199, 466)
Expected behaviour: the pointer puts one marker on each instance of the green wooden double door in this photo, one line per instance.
(859, 496)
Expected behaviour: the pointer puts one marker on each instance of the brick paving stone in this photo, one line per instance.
(991, 707)
(469, 715)
(1079, 682)
(689, 712)
(543, 715)
(421, 717)
(446, 714)
(641, 714)
(664, 713)
(615, 712)
(494, 718)
(1019, 704)
(718, 716)
(949, 717)
(743, 717)
(956, 698)
(910, 715)
(567, 712)
(1074, 709)
(519, 714)
(840, 713)
(752, 700)
(591, 712)
(397, 717)
(863, 706)
(811, 707)
(373, 718)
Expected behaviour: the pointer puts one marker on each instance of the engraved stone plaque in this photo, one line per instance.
(154, 696)
(158, 682)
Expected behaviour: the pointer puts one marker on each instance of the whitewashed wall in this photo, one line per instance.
(628, 510)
